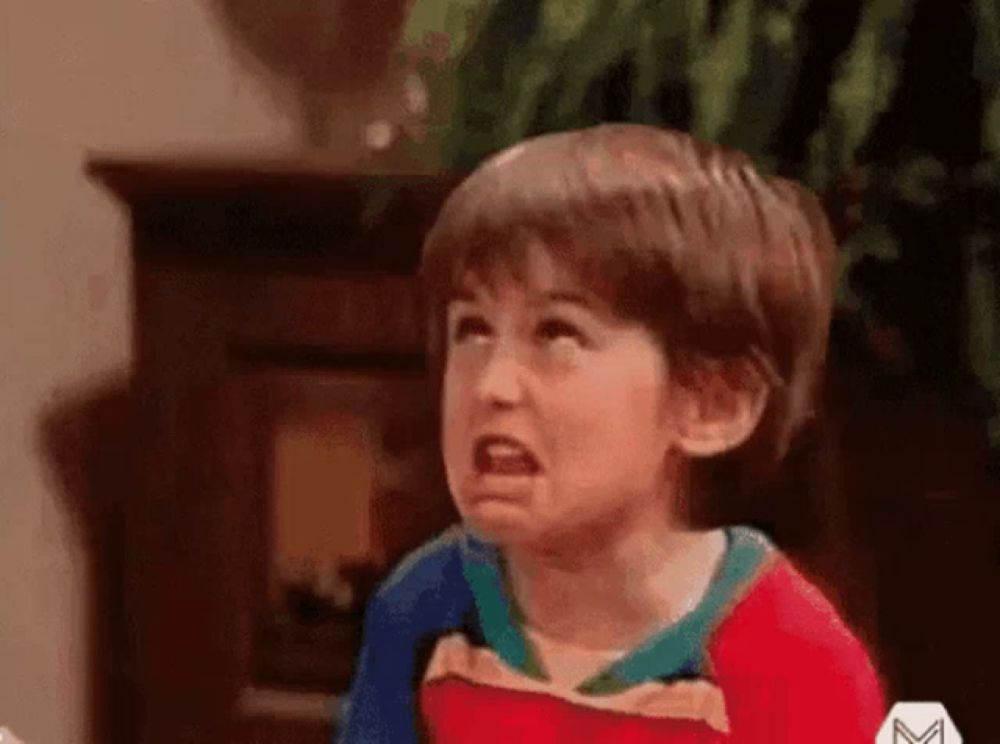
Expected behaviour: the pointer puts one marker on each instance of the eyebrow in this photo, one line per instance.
(573, 298)
(562, 296)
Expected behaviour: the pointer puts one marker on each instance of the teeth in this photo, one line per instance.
(504, 456)
(505, 450)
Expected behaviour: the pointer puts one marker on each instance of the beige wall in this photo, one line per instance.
(120, 74)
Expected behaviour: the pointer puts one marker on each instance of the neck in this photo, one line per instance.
(616, 586)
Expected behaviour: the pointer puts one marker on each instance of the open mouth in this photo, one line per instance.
(501, 455)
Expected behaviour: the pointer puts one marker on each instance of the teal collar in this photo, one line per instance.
(678, 651)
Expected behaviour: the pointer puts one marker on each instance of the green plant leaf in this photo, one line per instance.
(720, 68)
(864, 81)
(455, 21)
(670, 38)
(498, 80)
(983, 315)
(987, 70)
(609, 32)
(765, 90)
(921, 181)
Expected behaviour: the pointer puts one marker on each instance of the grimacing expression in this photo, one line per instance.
(553, 409)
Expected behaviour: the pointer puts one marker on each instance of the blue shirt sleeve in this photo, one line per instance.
(423, 598)
(380, 707)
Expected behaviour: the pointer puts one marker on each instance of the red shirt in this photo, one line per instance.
(763, 659)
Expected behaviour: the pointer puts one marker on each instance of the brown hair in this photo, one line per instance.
(683, 236)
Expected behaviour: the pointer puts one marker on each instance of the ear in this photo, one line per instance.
(716, 405)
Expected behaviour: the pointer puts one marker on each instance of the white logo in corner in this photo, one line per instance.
(918, 723)
(6, 737)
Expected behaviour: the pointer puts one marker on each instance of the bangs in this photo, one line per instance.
(684, 237)
(490, 255)
(544, 194)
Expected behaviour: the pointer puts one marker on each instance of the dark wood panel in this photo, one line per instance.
(181, 600)
(348, 312)
(227, 303)
(281, 731)
(244, 209)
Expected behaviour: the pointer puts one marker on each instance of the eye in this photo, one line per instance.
(469, 326)
(556, 329)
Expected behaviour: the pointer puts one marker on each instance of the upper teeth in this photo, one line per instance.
(504, 450)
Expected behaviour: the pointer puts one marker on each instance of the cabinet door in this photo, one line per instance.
(289, 459)
(339, 470)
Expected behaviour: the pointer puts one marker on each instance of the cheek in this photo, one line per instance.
(612, 396)
(454, 415)
(611, 416)
(454, 390)
(581, 423)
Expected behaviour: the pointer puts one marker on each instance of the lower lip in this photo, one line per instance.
(485, 486)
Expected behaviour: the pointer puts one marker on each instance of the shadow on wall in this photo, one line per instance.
(87, 443)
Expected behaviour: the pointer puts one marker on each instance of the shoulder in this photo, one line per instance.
(426, 587)
(787, 623)
(422, 597)
(786, 641)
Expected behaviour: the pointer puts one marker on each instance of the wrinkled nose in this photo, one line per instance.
(501, 380)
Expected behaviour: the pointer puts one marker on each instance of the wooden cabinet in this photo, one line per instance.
(287, 449)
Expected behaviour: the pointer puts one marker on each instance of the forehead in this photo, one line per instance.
(535, 271)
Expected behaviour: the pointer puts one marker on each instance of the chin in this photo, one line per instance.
(503, 523)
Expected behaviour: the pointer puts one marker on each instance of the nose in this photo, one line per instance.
(501, 379)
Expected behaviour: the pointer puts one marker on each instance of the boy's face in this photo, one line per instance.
(553, 409)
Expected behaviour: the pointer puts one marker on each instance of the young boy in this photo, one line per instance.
(615, 314)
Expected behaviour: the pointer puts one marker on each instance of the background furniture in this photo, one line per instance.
(267, 291)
